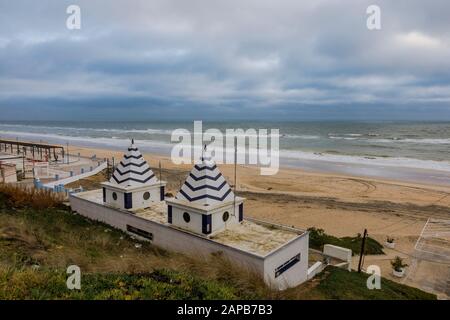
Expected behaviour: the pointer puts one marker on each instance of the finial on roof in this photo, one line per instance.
(132, 140)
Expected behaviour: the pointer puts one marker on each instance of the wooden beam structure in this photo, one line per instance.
(36, 149)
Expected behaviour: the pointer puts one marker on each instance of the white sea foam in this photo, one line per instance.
(151, 145)
(378, 161)
(295, 136)
(420, 141)
(111, 130)
(342, 138)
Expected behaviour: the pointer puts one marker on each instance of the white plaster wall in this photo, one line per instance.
(340, 253)
(119, 203)
(294, 276)
(315, 269)
(138, 198)
(167, 237)
(195, 225)
(217, 218)
(176, 240)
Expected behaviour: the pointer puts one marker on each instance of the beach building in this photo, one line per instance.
(133, 184)
(205, 203)
(8, 173)
(204, 218)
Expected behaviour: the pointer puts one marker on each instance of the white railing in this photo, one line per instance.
(77, 177)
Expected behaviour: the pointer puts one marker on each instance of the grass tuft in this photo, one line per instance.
(318, 238)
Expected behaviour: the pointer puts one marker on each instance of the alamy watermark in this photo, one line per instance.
(373, 21)
(73, 21)
(74, 278)
(252, 146)
(374, 280)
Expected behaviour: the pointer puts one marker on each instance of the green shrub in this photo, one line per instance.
(318, 238)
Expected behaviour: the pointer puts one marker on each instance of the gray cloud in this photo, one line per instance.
(225, 59)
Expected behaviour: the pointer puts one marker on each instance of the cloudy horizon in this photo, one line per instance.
(163, 59)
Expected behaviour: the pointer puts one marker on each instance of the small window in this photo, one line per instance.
(146, 195)
(186, 217)
(225, 216)
(287, 265)
(114, 195)
(140, 232)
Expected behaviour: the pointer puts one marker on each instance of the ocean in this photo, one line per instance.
(414, 145)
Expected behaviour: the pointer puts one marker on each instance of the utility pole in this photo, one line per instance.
(23, 163)
(235, 176)
(67, 153)
(361, 254)
(107, 168)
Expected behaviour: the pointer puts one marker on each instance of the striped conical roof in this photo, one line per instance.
(205, 185)
(133, 170)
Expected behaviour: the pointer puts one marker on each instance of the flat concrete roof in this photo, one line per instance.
(259, 238)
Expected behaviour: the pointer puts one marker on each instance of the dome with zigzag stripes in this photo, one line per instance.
(133, 170)
(205, 185)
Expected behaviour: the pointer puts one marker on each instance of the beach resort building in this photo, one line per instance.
(8, 172)
(133, 184)
(205, 203)
(205, 217)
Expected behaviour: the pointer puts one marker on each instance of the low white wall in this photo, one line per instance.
(77, 177)
(165, 236)
(170, 238)
(315, 269)
(296, 274)
(340, 253)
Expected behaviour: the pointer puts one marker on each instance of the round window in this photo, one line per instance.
(114, 195)
(225, 216)
(186, 217)
(146, 195)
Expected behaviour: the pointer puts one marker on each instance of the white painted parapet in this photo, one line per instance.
(283, 267)
(315, 269)
(340, 253)
(65, 181)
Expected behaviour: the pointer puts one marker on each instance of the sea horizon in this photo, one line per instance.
(415, 151)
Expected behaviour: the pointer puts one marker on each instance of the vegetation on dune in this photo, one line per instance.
(20, 197)
(161, 284)
(337, 283)
(41, 238)
(318, 238)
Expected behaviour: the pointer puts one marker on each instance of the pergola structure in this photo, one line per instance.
(42, 151)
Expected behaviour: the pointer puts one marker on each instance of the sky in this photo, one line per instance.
(233, 59)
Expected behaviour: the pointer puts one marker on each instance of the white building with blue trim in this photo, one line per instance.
(203, 219)
(133, 184)
(205, 203)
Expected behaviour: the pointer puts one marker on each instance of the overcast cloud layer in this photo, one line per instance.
(158, 59)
